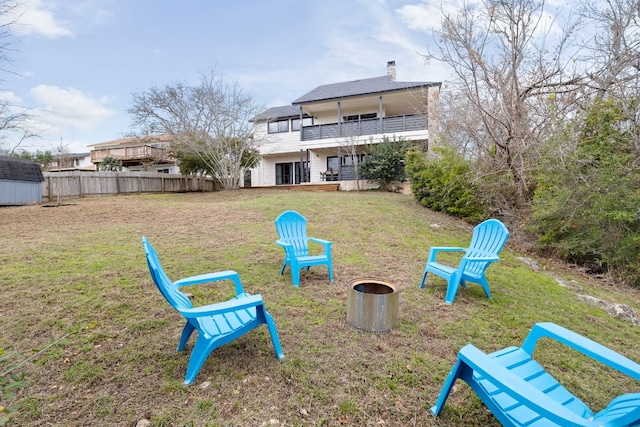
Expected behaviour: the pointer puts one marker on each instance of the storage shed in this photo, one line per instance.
(20, 181)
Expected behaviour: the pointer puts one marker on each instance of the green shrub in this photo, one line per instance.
(441, 184)
(586, 207)
(385, 162)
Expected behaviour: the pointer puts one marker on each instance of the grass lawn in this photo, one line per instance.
(78, 272)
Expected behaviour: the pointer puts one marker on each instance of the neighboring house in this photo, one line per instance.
(71, 162)
(138, 154)
(20, 181)
(315, 138)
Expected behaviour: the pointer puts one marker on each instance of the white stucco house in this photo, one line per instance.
(311, 140)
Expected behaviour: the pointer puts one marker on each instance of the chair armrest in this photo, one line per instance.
(433, 251)
(481, 258)
(323, 242)
(222, 307)
(582, 344)
(285, 245)
(519, 389)
(213, 277)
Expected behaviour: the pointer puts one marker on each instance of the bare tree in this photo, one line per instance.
(613, 47)
(63, 183)
(15, 126)
(209, 120)
(353, 146)
(614, 55)
(506, 75)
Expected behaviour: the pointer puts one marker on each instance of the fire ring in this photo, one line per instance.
(372, 305)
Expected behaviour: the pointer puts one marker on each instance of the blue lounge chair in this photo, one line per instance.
(488, 239)
(292, 237)
(216, 324)
(519, 392)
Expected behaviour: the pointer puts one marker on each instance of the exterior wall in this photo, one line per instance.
(285, 147)
(265, 173)
(20, 192)
(432, 110)
(274, 143)
(161, 167)
(85, 163)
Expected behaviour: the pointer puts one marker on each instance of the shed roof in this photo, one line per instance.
(15, 169)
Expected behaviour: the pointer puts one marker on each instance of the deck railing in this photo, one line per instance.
(393, 124)
(139, 152)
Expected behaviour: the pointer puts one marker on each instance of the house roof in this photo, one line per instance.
(15, 169)
(279, 112)
(359, 88)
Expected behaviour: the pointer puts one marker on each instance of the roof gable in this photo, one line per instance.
(15, 169)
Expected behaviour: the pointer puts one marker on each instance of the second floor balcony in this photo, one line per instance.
(350, 129)
(133, 154)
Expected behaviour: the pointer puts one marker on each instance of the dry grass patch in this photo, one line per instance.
(79, 270)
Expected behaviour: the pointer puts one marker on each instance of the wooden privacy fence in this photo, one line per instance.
(86, 184)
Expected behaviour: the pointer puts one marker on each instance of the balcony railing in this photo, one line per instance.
(393, 124)
(137, 153)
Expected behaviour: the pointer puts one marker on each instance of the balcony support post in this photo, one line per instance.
(339, 119)
(381, 130)
(301, 123)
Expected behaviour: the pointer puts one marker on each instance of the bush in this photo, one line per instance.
(586, 207)
(442, 185)
(384, 162)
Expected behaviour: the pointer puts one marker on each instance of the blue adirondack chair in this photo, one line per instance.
(488, 239)
(216, 324)
(292, 237)
(519, 392)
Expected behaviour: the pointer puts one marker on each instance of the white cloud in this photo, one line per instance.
(10, 98)
(427, 15)
(353, 49)
(32, 17)
(70, 107)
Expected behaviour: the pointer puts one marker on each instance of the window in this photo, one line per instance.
(278, 126)
(295, 123)
(349, 160)
(357, 117)
(334, 162)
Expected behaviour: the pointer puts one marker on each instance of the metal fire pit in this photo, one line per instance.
(372, 305)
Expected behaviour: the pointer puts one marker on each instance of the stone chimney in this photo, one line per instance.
(391, 70)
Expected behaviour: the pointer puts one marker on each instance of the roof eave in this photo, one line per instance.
(360, 95)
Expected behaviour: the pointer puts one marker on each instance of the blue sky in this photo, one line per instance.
(77, 62)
